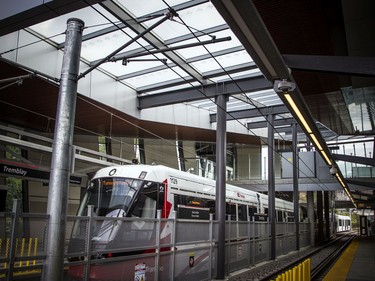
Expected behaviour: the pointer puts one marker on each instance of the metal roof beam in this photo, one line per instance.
(277, 122)
(255, 112)
(16, 15)
(355, 159)
(231, 87)
(181, 81)
(361, 66)
(152, 39)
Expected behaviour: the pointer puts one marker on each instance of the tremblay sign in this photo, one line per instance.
(30, 172)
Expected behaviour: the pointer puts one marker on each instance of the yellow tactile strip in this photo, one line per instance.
(341, 268)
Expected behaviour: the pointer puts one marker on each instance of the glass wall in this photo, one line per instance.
(359, 148)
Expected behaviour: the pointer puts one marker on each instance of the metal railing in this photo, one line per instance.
(112, 248)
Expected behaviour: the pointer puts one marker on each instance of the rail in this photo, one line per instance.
(320, 259)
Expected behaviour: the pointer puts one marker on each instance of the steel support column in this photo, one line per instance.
(295, 182)
(271, 183)
(310, 215)
(181, 155)
(221, 144)
(319, 207)
(142, 152)
(326, 214)
(62, 153)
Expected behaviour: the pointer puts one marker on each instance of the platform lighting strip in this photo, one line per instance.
(345, 188)
(315, 141)
(307, 127)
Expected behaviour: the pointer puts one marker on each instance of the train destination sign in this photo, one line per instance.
(193, 213)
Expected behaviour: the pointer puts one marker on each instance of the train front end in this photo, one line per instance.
(113, 196)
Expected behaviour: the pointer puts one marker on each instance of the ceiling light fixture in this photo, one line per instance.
(297, 112)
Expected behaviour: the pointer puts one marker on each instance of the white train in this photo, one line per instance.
(343, 223)
(137, 192)
(131, 187)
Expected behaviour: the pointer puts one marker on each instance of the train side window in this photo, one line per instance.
(252, 210)
(211, 204)
(231, 210)
(178, 200)
(279, 215)
(242, 213)
(290, 217)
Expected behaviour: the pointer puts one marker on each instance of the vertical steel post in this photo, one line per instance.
(142, 152)
(319, 207)
(157, 250)
(61, 155)
(221, 141)
(326, 213)
(310, 215)
(90, 214)
(181, 155)
(295, 183)
(211, 237)
(271, 183)
(173, 242)
(13, 239)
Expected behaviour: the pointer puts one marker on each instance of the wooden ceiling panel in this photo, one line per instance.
(33, 105)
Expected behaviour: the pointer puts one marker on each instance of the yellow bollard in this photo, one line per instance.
(308, 270)
(300, 272)
(6, 251)
(303, 271)
(35, 249)
(22, 250)
(29, 250)
(306, 273)
(295, 272)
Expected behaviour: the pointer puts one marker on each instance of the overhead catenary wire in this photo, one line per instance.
(263, 141)
(251, 102)
(214, 101)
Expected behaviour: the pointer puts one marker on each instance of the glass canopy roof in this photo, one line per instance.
(184, 44)
(191, 62)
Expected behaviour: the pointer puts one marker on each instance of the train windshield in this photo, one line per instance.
(109, 194)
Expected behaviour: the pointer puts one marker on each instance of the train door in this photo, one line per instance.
(147, 202)
(363, 225)
(152, 197)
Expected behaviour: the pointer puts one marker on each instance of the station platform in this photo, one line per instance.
(357, 263)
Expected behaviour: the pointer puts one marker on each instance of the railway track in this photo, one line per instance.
(321, 259)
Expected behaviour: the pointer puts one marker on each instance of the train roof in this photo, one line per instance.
(159, 173)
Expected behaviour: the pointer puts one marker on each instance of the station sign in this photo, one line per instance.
(27, 171)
